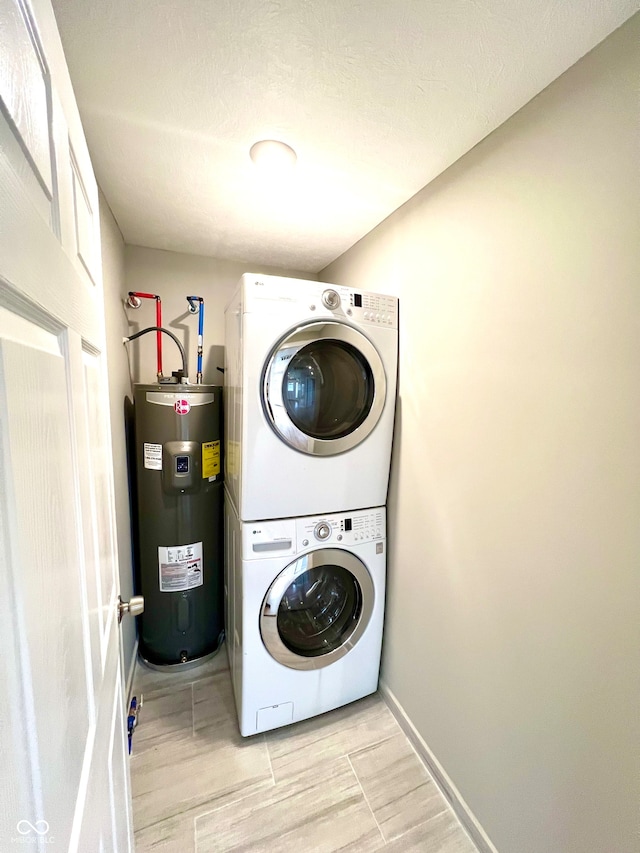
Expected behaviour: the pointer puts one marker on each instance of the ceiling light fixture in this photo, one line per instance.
(273, 156)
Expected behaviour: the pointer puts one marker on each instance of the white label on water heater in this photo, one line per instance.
(180, 567)
(153, 456)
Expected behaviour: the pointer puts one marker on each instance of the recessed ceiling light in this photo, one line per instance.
(271, 155)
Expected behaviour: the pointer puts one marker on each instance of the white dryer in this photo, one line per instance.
(310, 392)
(305, 605)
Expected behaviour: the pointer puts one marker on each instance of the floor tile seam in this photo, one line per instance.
(266, 746)
(371, 745)
(341, 730)
(207, 675)
(366, 799)
(147, 744)
(339, 755)
(192, 813)
(233, 802)
(293, 777)
(302, 822)
(160, 725)
(195, 834)
(156, 695)
(153, 691)
(203, 683)
(156, 711)
(422, 824)
(193, 712)
(402, 795)
(143, 761)
(276, 832)
(320, 735)
(138, 829)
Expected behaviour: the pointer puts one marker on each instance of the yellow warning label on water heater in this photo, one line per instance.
(210, 459)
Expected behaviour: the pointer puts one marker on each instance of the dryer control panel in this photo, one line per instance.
(341, 529)
(373, 308)
(273, 294)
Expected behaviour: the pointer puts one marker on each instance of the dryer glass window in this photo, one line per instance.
(319, 611)
(328, 389)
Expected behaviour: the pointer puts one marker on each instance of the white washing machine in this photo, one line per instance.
(305, 605)
(310, 393)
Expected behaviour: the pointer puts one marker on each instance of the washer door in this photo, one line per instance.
(324, 388)
(317, 609)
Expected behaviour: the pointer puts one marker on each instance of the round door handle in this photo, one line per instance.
(134, 607)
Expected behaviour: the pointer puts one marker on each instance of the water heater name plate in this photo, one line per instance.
(162, 398)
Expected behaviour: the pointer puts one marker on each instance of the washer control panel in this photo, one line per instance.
(341, 529)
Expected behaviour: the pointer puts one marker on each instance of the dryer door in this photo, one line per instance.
(317, 609)
(324, 388)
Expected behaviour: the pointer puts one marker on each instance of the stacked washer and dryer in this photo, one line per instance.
(310, 388)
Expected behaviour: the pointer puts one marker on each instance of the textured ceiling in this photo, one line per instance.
(377, 97)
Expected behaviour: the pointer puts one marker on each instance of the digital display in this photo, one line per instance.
(347, 525)
(182, 464)
(357, 300)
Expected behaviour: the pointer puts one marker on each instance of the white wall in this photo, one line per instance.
(174, 276)
(512, 635)
(119, 389)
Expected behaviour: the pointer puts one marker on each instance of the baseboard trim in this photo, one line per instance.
(449, 791)
(131, 672)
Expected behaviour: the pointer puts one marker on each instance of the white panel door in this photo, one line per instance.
(64, 783)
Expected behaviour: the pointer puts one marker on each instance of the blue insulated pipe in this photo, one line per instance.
(193, 307)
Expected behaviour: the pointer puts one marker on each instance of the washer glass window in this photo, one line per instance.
(319, 610)
(328, 389)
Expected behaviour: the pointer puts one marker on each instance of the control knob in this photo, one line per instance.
(331, 299)
(322, 531)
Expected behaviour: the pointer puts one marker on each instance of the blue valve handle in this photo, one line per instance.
(132, 719)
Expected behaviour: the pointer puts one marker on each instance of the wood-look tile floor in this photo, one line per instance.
(345, 781)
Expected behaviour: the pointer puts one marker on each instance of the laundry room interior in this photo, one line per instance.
(498, 229)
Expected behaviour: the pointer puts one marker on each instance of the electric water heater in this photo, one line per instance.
(179, 521)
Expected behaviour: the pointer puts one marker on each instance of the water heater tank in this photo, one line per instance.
(179, 521)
